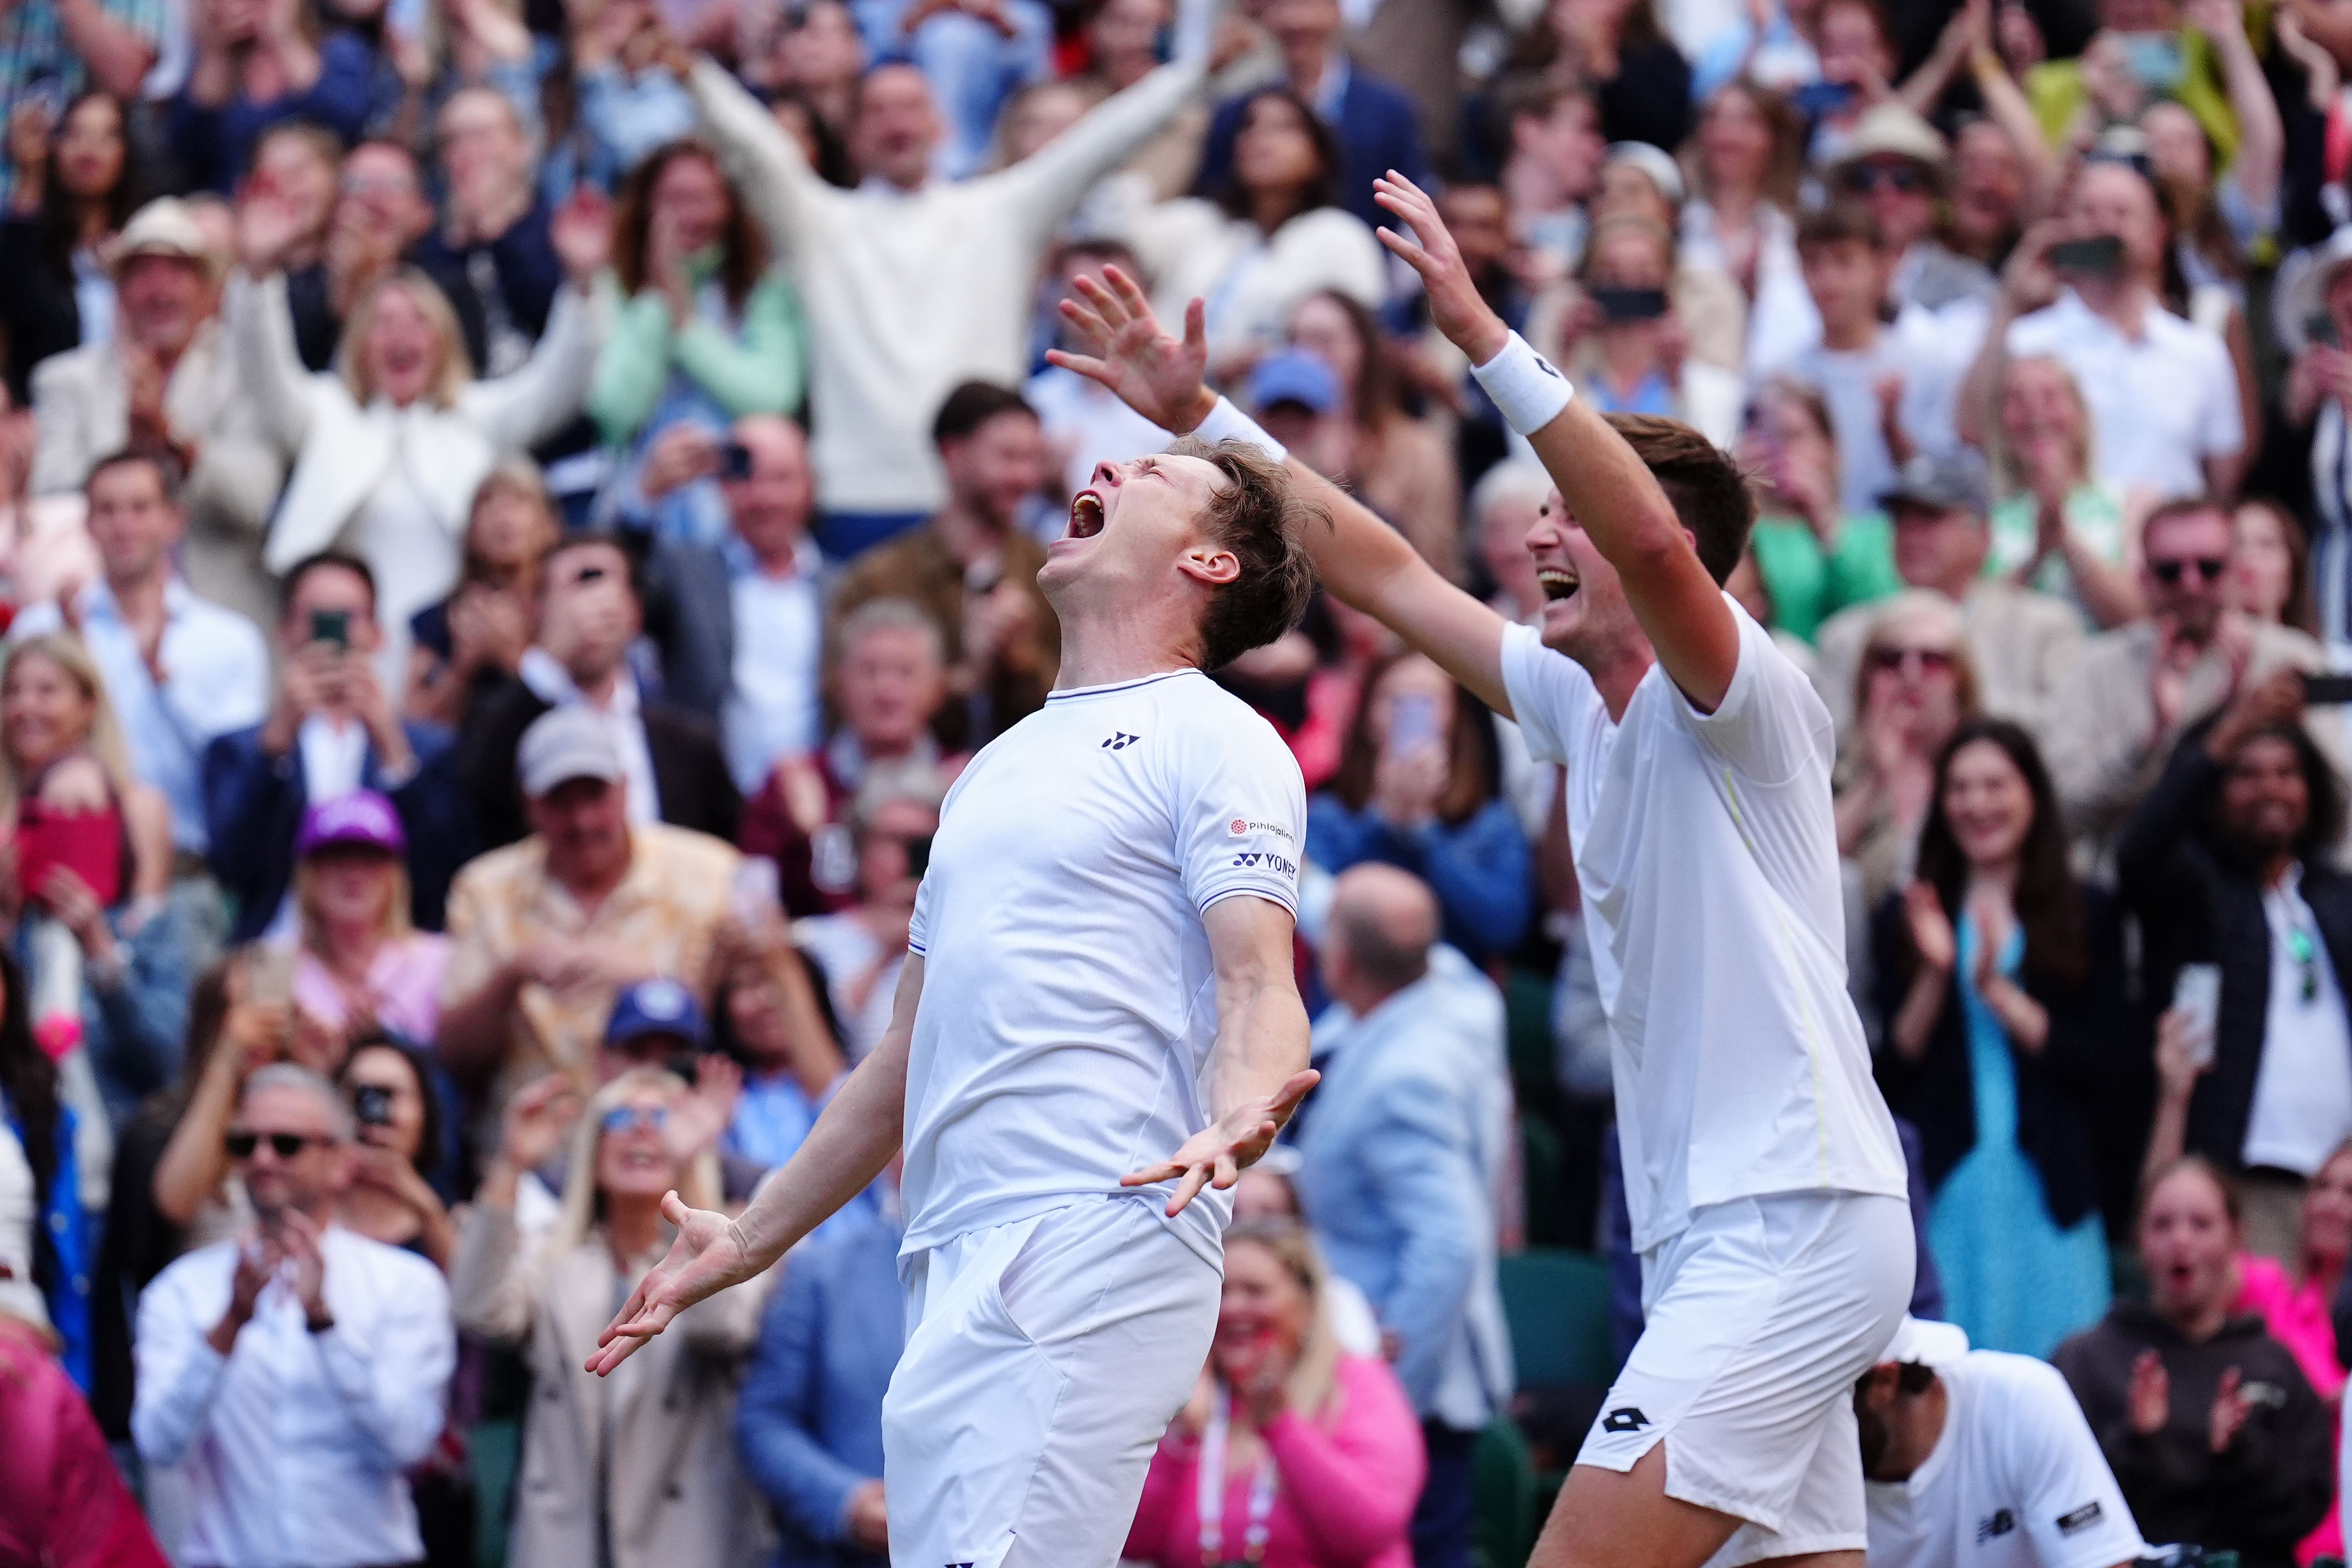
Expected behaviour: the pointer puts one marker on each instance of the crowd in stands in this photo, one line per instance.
(513, 514)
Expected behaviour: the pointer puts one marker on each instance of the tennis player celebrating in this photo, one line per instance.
(1100, 975)
(1761, 1167)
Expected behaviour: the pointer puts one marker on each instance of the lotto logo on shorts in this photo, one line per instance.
(1625, 1418)
(1267, 858)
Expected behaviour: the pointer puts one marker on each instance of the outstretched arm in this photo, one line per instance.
(1607, 489)
(845, 1152)
(1359, 558)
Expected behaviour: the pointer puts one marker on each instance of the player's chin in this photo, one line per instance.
(1559, 622)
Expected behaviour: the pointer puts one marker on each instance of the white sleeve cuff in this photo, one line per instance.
(1227, 423)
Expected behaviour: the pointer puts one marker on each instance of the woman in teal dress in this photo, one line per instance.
(1998, 984)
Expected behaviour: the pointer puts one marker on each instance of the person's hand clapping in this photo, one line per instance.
(536, 1121)
(2149, 1401)
(582, 234)
(2226, 1418)
(697, 1120)
(258, 1258)
(1932, 937)
(303, 1242)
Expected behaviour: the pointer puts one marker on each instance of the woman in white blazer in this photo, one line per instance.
(389, 446)
(1274, 237)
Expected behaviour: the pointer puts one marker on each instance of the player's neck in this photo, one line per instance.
(1616, 668)
(1101, 650)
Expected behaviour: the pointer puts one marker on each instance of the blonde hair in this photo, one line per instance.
(104, 740)
(2006, 480)
(583, 1207)
(1314, 1379)
(391, 927)
(1917, 606)
(451, 376)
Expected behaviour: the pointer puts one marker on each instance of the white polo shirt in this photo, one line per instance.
(1069, 1004)
(2160, 403)
(1707, 855)
(2301, 1106)
(2017, 1480)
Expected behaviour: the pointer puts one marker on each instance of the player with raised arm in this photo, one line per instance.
(1761, 1167)
(1096, 1028)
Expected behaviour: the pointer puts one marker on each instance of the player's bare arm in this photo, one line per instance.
(1607, 489)
(1259, 1072)
(846, 1149)
(1361, 559)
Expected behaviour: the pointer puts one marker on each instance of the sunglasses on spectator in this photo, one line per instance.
(1927, 660)
(285, 1145)
(635, 1118)
(1864, 178)
(2209, 567)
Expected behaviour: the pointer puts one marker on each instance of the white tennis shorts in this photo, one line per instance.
(1045, 1359)
(1758, 1321)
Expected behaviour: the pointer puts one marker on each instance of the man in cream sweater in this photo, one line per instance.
(913, 284)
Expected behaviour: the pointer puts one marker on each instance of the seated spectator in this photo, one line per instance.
(888, 680)
(1639, 181)
(974, 570)
(1275, 232)
(1311, 1455)
(589, 614)
(180, 670)
(1505, 505)
(707, 334)
(1417, 788)
(2114, 721)
(2270, 569)
(361, 964)
(2228, 862)
(2022, 643)
(2295, 1299)
(2163, 392)
(460, 649)
(662, 1486)
(388, 453)
(2059, 528)
(108, 958)
(331, 729)
(1373, 122)
(1915, 686)
(544, 933)
(1615, 340)
(1816, 559)
(49, 1229)
(809, 1425)
(302, 1366)
(1899, 168)
(165, 381)
(397, 1147)
(887, 343)
(862, 948)
(1738, 220)
(62, 1500)
(1889, 385)
(44, 551)
(1999, 1010)
(1403, 1166)
(493, 255)
(1948, 1432)
(2210, 1427)
(54, 241)
(771, 1022)
(256, 66)
(1401, 467)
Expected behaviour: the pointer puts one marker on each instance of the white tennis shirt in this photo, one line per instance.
(1707, 855)
(1069, 1005)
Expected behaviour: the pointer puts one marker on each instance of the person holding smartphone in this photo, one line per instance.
(1622, 342)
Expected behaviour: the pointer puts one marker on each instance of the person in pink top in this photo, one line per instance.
(2295, 1306)
(1308, 1457)
(360, 964)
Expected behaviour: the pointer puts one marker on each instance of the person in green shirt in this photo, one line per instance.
(1814, 561)
(2058, 527)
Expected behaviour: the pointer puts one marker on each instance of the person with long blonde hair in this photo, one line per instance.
(639, 1472)
(1306, 1457)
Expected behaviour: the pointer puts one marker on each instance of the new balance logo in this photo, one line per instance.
(1119, 741)
(1999, 1524)
(1267, 858)
(1625, 1418)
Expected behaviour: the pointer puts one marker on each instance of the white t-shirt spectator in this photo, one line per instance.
(2162, 403)
(2303, 1086)
(2017, 1480)
(1069, 1001)
(1928, 358)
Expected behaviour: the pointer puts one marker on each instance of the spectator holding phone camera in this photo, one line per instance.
(1418, 787)
(461, 647)
(331, 729)
(1622, 344)
(862, 948)
(2227, 863)
(396, 1151)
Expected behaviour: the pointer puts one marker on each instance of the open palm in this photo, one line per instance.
(1158, 375)
(708, 1255)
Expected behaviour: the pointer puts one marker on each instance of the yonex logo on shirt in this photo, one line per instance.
(1269, 858)
(1119, 741)
(2002, 1523)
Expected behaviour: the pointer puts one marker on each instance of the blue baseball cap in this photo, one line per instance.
(659, 1007)
(1294, 376)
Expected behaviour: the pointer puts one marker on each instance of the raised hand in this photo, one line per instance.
(1931, 928)
(1460, 311)
(1160, 376)
(536, 1120)
(1217, 1154)
(2148, 1402)
(709, 1254)
(268, 226)
(582, 234)
(2228, 1416)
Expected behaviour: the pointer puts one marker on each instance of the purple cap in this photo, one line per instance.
(362, 817)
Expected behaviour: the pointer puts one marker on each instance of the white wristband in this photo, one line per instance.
(1227, 423)
(1525, 385)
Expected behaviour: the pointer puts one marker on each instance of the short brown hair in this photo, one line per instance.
(1842, 219)
(1704, 487)
(1257, 515)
